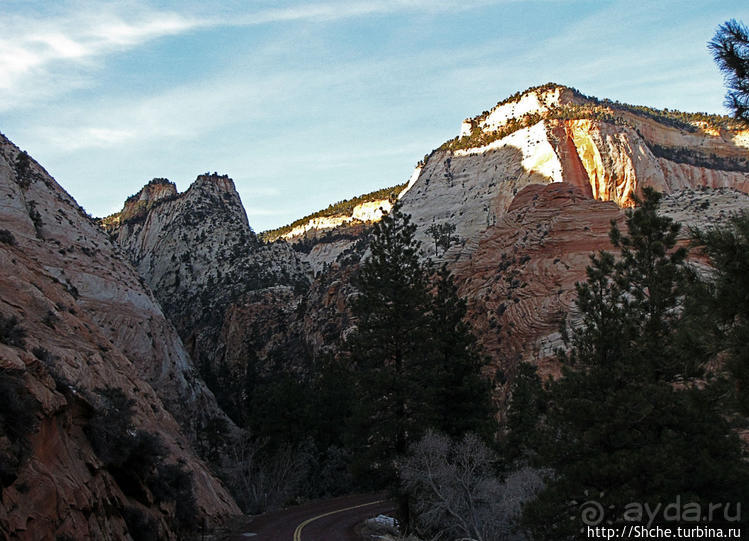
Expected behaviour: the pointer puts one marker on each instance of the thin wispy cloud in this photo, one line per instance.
(45, 57)
(42, 57)
(183, 113)
(191, 110)
(333, 11)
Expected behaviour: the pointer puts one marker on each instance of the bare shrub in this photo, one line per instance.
(18, 419)
(261, 480)
(454, 492)
(11, 332)
(6, 237)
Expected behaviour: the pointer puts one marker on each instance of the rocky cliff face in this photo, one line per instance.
(367, 212)
(520, 280)
(555, 134)
(77, 320)
(521, 247)
(137, 206)
(198, 253)
(552, 133)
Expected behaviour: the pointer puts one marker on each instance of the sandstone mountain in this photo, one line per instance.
(272, 302)
(531, 187)
(596, 155)
(553, 133)
(209, 272)
(79, 329)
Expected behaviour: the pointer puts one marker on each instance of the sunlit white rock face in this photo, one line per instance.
(370, 211)
(610, 161)
(411, 180)
(531, 102)
(471, 187)
(535, 101)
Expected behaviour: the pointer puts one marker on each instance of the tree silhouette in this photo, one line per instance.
(414, 361)
(730, 48)
(628, 421)
(725, 307)
(391, 346)
(443, 236)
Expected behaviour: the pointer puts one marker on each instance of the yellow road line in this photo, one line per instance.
(298, 531)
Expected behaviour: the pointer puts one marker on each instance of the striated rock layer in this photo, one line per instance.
(521, 247)
(90, 323)
(520, 280)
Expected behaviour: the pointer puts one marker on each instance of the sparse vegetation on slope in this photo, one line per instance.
(11, 332)
(699, 159)
(540, 89)
(604, 110)
(136, 460)
(134, 210)
(479, 138)
(341, 208)
(6, 237)
(17, 420)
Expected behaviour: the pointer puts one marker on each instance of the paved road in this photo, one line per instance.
(325, 520)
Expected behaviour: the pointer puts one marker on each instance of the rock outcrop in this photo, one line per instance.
(555, 134)
(324, 235)
(547, 134)
(520, 280)
(137, 206)
(78, 322)
(197, 252)
(366, 212)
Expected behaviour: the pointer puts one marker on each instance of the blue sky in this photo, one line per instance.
(308, 103)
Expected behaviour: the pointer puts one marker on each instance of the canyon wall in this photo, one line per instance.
(79, 320)
(198, 253)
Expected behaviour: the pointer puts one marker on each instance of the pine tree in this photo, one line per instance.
(391, 346)
(443, 236)
(625, 423)
(730, 48)
(414, 359)
(725, 299)
(652, 275)
(526, 407)
(460, 397)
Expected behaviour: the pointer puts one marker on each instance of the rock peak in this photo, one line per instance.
(214, 180)
(535, 100)
(158, 190)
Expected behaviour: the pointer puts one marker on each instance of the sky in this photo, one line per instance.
(307, 103)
